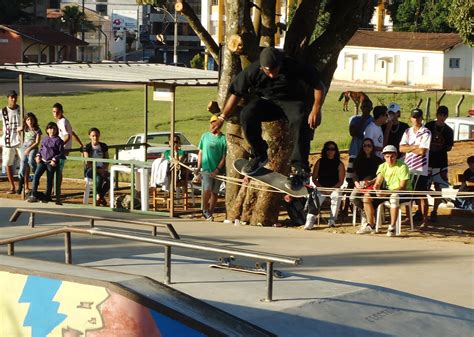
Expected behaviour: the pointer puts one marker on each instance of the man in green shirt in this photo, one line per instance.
(396, 176)
(211, 162)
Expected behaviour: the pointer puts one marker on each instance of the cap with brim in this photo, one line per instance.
(417, 113)
(270, 58)
(213, 118)
(393, 107)
(389, 149)
(11, 93)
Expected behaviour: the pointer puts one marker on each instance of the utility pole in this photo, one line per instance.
(82, 31)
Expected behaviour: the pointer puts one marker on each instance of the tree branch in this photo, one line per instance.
(183, 7)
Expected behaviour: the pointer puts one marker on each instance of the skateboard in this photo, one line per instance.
(260, 267)
(270, 178)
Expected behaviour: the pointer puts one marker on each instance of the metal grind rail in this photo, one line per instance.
(270, 259)
(92, 218)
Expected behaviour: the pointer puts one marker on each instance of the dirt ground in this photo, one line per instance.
(452, 225)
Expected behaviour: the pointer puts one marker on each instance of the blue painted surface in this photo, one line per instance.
(42, 314)
(171, 328)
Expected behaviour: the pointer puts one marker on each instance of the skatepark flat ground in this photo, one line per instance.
(348, 285)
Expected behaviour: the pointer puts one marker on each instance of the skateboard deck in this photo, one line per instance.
(270, 178)
(260, 268)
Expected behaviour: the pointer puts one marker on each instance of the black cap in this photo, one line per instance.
(271, 58)
(417, 113)
(11, 93)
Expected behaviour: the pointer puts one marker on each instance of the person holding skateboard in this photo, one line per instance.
(279, 88)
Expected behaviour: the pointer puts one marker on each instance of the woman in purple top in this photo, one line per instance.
(52, 150)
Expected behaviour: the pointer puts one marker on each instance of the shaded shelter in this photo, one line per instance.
(162, 77)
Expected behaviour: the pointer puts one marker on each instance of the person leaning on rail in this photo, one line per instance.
(395, 175)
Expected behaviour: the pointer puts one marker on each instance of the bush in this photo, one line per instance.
(197, 61)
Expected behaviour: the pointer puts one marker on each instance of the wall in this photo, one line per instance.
(10, 47)
(391, 67)
(39, 306)
(458, 78)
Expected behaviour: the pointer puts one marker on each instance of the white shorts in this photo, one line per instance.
(8, 155)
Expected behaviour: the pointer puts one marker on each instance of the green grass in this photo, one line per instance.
(119, 114)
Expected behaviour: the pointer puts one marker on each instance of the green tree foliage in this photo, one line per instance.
(461, 18)
(154, 3)
(421, 15)
(13, 11)
(197, 61)
(75, 20)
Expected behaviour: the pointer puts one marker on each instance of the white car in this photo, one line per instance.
(463, 127)
(157, 144)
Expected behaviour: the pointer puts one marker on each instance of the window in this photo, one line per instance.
(396, 64)
(454, 62)
(424, 65)
(365, 60)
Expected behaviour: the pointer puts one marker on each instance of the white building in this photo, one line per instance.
(427, 60)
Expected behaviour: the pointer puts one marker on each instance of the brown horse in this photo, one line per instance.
(357, 96)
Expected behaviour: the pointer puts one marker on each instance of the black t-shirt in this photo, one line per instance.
(288, 85)
(395, 135)
(442, 138)
(468, 175)
(366, 168)
(328, 174)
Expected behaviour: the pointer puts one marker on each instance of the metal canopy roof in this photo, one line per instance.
(120, 72)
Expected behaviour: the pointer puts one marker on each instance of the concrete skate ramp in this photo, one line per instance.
(50, 299)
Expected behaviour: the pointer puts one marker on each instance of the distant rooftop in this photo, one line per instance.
(405, 40)
(44, 35)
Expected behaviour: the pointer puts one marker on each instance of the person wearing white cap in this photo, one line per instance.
(394, 129)
(396, 176)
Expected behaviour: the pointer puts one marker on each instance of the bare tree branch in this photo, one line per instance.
(183, 7)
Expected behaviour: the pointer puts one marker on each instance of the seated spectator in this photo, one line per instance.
(178, 154)
(467, 186)
(97, 149)
(328, 172)
(365, 172)
(52, 150)
(395, 174)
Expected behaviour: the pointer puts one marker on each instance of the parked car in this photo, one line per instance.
(157, 144)
(463, 127)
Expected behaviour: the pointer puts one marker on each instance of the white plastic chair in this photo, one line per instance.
(87, 190)
(398, 226)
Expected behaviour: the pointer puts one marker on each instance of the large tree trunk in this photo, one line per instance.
(244, 202)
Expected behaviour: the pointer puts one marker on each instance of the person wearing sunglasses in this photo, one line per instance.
(329, 173)
(365, 172)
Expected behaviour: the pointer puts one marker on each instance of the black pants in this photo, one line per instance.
(261, 110)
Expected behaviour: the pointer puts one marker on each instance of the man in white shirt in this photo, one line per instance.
(10, 138)
(415, 144)
(65, 133)
(374, 129)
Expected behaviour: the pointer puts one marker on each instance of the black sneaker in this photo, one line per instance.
(417, 216)
(32, 198)
(433, 216)
(255, 164)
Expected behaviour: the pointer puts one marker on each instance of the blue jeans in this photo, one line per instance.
(102, 183)
(50, 170)
(27, 160)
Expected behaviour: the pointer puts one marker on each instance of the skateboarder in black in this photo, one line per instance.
(280, 88)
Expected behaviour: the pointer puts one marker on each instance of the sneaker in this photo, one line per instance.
(391, 231)
(310, 221)
(207, 215)
(331, 223)
(367, 229)
(255, 164)
(417, 216)
(32, 199)
(433, 216)
(296, 180)
(363, 220)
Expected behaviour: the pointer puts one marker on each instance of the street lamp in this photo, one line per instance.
(175, 40)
